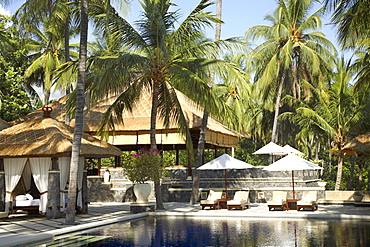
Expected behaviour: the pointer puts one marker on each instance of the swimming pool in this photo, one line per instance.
(201, 231)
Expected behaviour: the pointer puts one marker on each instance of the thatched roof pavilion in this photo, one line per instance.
(136, 128)
(358, 145)
(47, 137)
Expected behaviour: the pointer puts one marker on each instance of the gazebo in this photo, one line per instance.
(135, 132)
(358, 145)
(41, 148)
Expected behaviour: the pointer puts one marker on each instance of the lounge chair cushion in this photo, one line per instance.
(278, 200)
(308, 198)
(240, 200)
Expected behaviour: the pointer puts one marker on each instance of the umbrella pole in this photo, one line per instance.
(293, 184)
(226, 194)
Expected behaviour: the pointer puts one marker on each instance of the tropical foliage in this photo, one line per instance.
(290, 87)
(146, 165)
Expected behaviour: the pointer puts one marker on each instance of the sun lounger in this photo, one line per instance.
(308, 201)
(278, 200)
(212, 199)
(240, 200)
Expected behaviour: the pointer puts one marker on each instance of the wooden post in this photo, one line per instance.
(99, 166)
(2, 186)
(85, 199)
(177, 155)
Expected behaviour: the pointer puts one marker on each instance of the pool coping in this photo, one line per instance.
(23, 239)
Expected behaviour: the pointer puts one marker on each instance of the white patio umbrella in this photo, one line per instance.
(290, 150)
(272, 149)
(292, 162)
(225, 162)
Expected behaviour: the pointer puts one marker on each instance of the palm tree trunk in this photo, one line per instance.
(199, 158)
(203, 127)
(153, 142)
(340, 164)
(352, 172)
(360, 175)
(275, 127)
(71, 210)
(67, 57)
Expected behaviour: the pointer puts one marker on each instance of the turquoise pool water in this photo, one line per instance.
(194, 231)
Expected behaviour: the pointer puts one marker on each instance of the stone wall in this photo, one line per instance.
(178, 189)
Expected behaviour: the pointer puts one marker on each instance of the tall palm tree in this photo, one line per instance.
(80, 97)
(161, 57)
(352, 18)
(337, 112)
(293, 52)
(46, 24)
(203, 128)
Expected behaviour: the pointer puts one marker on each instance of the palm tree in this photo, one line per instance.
(336, 113)
(160, 58)
(351, 18)
(76, 146)
(203, 128)
(46, 25)
(293, 52)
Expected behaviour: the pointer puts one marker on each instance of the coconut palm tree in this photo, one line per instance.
(336, 112)
(293, 52)
(352, 18)
(161, 57)
(80, 97)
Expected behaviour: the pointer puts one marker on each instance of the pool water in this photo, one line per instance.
(185, 231)
(196, 231)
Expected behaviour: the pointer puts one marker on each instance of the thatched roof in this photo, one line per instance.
(358, 145)
(47, 137)
(4, 124)
(136, 127)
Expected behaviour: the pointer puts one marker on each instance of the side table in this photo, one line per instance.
(291, 204)
(222, 203)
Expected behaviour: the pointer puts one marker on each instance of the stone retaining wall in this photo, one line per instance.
(178, 189)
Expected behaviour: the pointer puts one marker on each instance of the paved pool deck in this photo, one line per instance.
(21, 229)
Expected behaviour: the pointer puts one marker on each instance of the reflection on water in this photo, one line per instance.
(181, 231)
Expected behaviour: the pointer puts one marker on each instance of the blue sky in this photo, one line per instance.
(238, 15)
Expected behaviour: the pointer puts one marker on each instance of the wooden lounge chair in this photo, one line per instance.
(212, 200)
(240, 200)
(308, 201)
(278, 200)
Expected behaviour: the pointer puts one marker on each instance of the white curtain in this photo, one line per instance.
(13, 170)
(27, 177)
(64, 164)
(40, 170)
(81, 166)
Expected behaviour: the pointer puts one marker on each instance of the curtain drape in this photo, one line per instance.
(40, 170)
(13, 169)
(64, 164)
(27, 177)
(81, 166)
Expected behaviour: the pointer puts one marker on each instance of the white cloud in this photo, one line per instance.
(4, 11)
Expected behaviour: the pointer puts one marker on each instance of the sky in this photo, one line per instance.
(238, 16)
